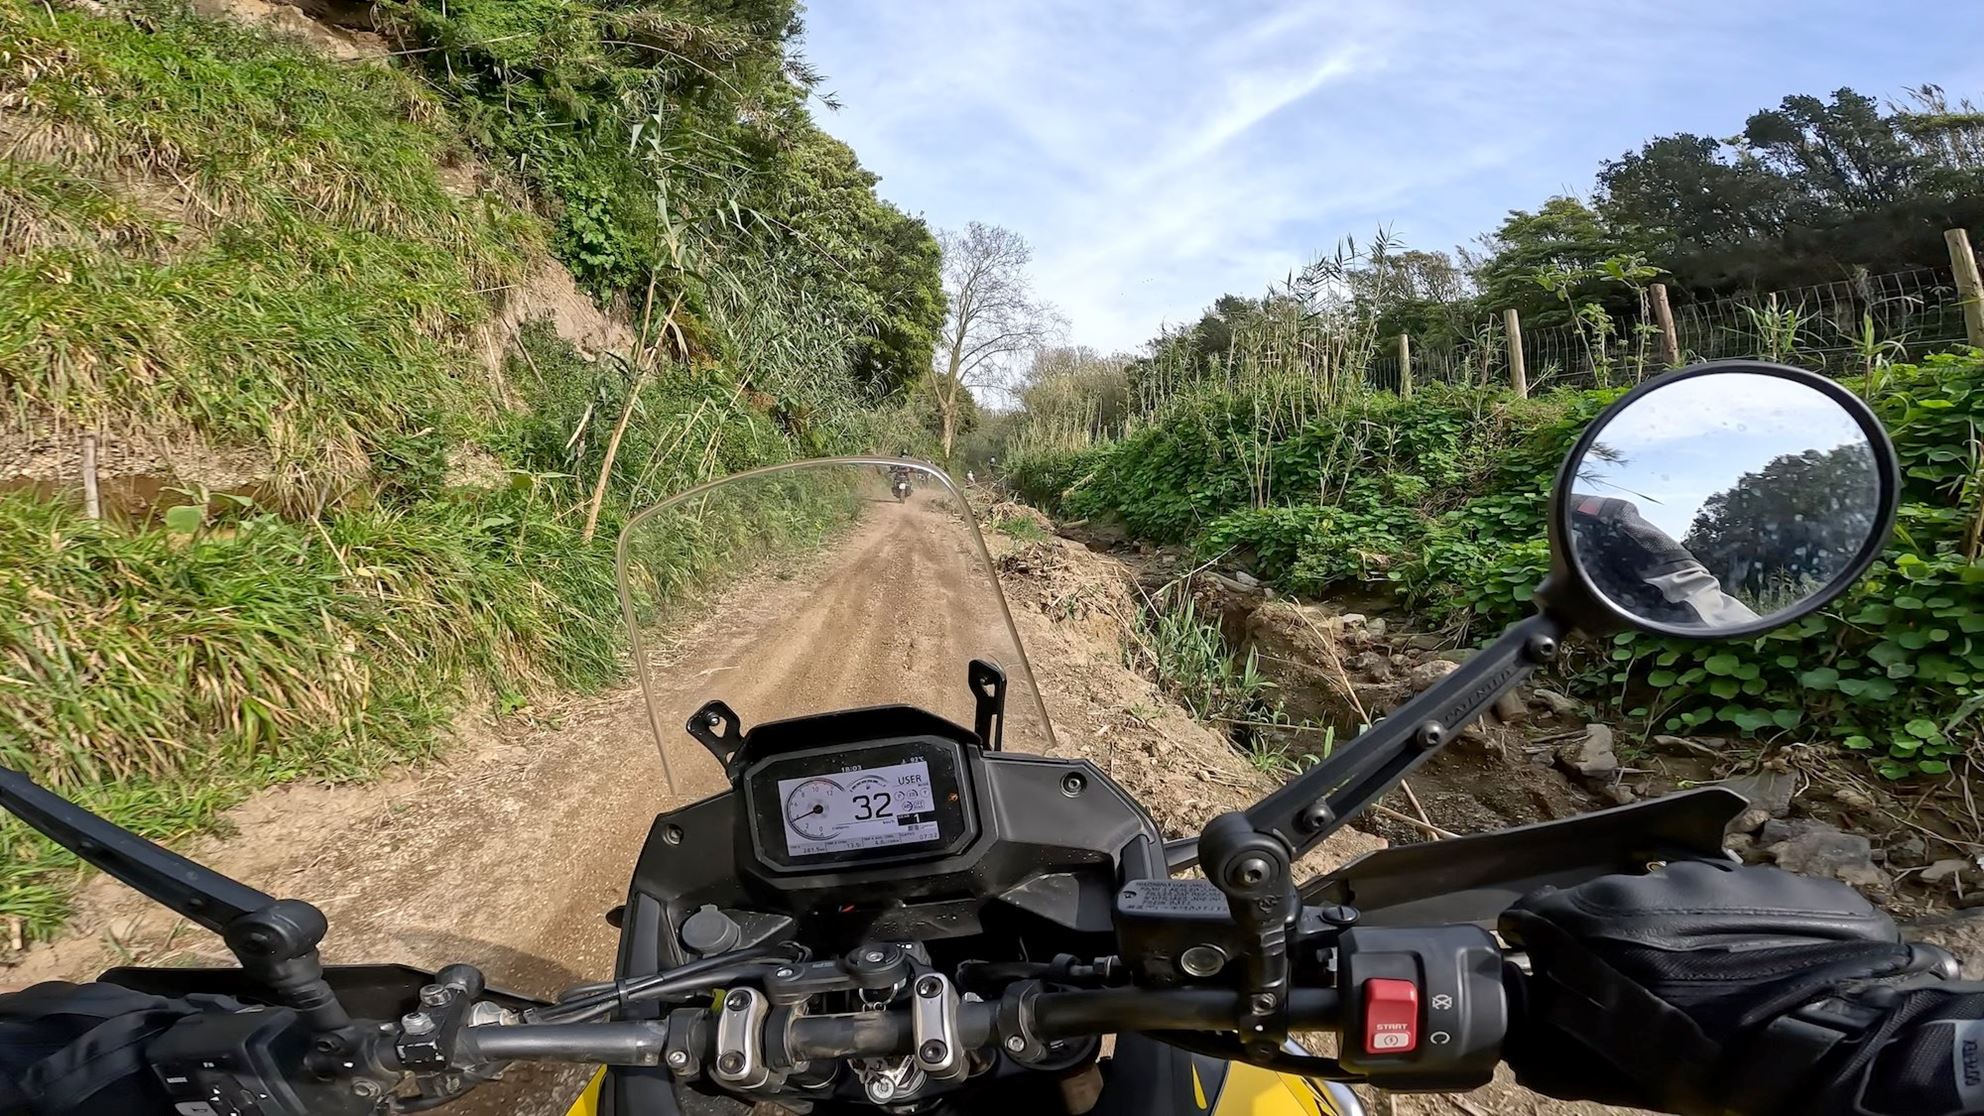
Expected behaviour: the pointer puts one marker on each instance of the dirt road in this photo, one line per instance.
(509, 852)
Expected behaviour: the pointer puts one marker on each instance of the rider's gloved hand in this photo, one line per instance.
(80, 1048)
(1714, 988)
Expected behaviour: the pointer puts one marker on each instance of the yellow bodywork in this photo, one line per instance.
(1247, 1091)
(1253, 1091)
(588, 1102)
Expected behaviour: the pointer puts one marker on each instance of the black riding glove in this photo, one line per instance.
(1718, 989)
(73, 1049)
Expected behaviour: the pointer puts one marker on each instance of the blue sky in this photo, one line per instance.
(1159, 154)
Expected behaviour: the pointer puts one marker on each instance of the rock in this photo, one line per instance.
(1847, 796)
(1246, 580)
(1429, 672)
(1749, 821)
(1298, 654)
(1511, 709)
(1777, 831)
(1349, 619)
(1681, 746)
(1742, 844)
(1943, 871)
(1424, 642)
(1591, 756)
(1375, 626)
(1771, 790)
(1622, 794)
(1825, 852)
(1457, 656)
(1909, 852)
(1370, 664)
(1558, 704)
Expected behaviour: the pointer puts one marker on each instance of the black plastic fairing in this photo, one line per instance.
(1476, 878)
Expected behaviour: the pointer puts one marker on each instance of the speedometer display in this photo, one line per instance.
(869, 808)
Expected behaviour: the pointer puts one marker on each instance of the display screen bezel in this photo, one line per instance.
(950, 791)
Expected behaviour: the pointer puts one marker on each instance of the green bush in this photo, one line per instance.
(1442, 499)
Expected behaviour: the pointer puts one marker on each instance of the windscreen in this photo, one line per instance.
(814, 587)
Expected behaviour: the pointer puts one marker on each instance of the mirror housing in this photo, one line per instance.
(1811, 409)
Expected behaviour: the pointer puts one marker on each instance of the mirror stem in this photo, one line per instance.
(1319, 801)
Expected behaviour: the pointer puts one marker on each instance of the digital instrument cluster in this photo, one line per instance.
(873, 803)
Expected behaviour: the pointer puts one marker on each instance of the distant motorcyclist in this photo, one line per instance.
(1645, 571)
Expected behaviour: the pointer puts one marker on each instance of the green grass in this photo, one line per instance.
(1023, 528)
(214, 234)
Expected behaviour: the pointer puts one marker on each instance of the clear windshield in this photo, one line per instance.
(826, 585)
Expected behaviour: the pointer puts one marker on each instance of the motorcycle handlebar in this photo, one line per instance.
(890, 1033)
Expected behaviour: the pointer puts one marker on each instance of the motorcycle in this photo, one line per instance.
(906, 897)
(901, 489)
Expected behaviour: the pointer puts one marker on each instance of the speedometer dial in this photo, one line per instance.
(812, 806)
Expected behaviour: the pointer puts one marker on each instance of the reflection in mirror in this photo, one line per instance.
(1723, 499)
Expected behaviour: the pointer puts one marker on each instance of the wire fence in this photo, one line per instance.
(1840, 328)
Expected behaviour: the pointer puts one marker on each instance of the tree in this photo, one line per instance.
(1787, 529)
(992, 316)
(1563, 236)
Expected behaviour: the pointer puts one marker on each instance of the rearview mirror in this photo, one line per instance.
(1718, 501)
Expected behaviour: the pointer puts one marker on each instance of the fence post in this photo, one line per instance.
(1964, 262)
(92, 501)
(1405, 366)
(1663, 315)
(1518, 375)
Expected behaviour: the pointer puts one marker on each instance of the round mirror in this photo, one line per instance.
(1726, 499)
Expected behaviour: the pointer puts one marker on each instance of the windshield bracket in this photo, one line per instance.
(988, 694)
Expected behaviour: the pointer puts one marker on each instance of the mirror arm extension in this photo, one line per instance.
(1317, 802)
(275, 940)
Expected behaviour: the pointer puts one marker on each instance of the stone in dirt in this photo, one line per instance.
(1592, 756)
(1765, 788)
(1749, 821)
(1556, 703)
(1246, 580)
(1429, 672)
(1944, 870)
(1424, 642)
(1909, 852)
(1825, 852)
(1375, 627)
(1510, 708)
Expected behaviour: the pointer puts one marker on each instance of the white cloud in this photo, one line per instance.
(1160, 154)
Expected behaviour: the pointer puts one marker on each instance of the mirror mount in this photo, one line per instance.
(1321, 800)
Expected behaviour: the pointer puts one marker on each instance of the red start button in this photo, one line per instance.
(1391, 1016)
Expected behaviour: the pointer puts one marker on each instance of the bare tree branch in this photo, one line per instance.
(993, 317)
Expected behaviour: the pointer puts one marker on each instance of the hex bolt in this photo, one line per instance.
(713, 719)
(1261, 1002)
(873, 956)
(1072, 784)
(933, 1051)
(1016, 1044)
(366, 1089)
(1431, 735)
(678, 1059)
(787, 972)
(1315, 816)
(434, 995)
(418, 1023)
(737, 1001)
(1541, 647)
(731, 1063)
(1250, 871)
(881, 1089)
(929, 987)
